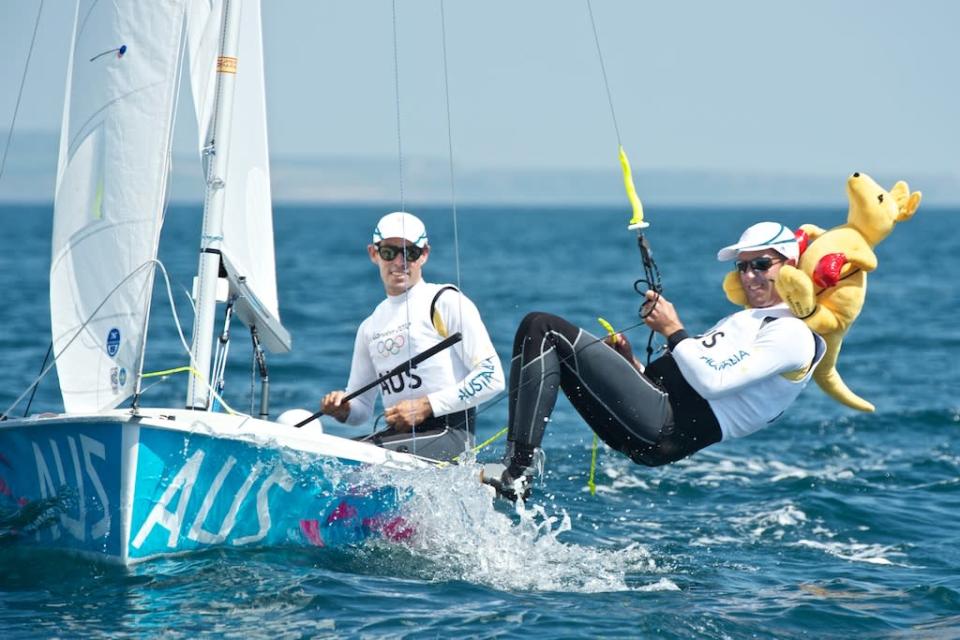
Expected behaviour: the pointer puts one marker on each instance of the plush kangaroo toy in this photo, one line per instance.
(828, 286)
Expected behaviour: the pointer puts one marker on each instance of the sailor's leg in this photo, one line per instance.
(624, 407)
(617, 401)
(534, 381)
(628, 411)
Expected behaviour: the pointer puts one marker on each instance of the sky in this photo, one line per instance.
(816, 88)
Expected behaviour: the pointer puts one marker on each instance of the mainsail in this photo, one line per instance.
(114, 161)
(248, 252)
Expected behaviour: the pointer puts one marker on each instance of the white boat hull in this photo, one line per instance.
(128, 488)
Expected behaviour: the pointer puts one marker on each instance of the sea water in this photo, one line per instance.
(829, 523)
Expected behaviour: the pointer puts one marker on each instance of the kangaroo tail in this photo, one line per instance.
(828, 379)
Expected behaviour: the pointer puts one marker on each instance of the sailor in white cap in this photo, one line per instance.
(725, 383)
(430, 409)
(759, 253)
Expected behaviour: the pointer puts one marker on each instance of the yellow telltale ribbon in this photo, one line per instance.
(636, 222)
(609, 328)
(591, 481)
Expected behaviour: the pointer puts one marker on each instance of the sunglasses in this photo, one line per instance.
(757, 264)
(388, 252)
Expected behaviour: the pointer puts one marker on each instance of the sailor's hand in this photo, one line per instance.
(619, 343)
(335, 406)
(659, 314)
(407, 414)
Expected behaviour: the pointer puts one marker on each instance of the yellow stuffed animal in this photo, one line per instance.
(828, 286)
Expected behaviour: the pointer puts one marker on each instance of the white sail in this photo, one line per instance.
(248, 250)
(111, 187)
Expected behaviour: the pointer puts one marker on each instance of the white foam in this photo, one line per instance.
(663, 584)
(718, 540)
(706, 469)
(774, 522)
(460, 535)
(855, 551)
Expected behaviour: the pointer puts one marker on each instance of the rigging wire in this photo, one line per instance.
(23, 80)
(453, 197)
(453, 189)
(183, 342)
(253, 378)
(403, 254)
(396, 85)
(651, 279)
(603, 72)
(83, 326)
(77, 334)
(219, 371)
(36, 386)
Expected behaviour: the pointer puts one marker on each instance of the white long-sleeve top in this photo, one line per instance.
(750, 369)
(457, 378)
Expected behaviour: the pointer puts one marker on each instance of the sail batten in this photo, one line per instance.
(110, 194)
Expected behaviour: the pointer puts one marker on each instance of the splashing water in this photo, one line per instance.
(460, 533)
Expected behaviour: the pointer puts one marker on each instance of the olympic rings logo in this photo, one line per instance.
(390, 346)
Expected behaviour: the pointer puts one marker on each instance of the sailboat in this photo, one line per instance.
(112, 478)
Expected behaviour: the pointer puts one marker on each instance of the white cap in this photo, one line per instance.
(763, 235)
(401, 224)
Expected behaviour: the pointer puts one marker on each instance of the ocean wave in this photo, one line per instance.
(857, 551)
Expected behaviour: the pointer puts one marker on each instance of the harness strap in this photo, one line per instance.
(435, 315)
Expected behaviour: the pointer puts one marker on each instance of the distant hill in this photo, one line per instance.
(30, 175)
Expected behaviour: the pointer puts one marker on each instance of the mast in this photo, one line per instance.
(211, 240)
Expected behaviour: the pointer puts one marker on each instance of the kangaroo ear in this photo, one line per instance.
(900, 192)
(910, 207)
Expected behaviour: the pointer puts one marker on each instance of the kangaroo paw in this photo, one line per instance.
(796, 289)
(734, 289)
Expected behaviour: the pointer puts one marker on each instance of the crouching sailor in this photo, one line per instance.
(429, 409)
(734, 379)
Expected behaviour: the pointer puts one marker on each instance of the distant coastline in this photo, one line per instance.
(30, 176)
